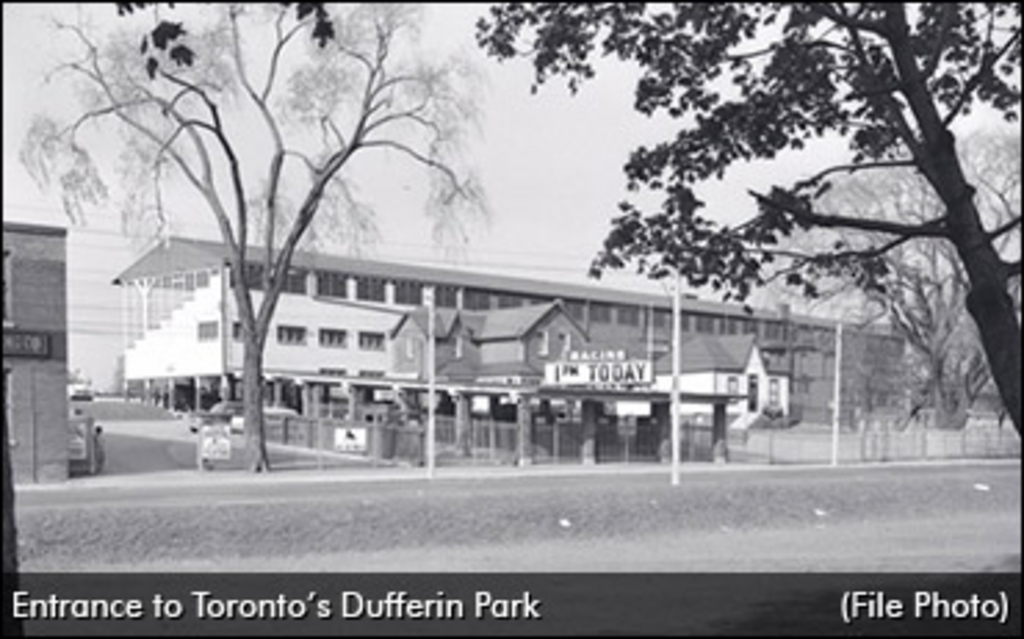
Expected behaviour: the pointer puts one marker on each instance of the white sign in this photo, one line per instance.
(634, 409)
(350, 440)
(595, 355)
(215, 441)
(77, 448)
(608, 373)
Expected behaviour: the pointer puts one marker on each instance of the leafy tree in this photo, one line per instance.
(206, 107)
(750, 81)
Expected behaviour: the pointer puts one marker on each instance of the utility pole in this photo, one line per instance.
(676, 335)
(431, 373)
(836, 393)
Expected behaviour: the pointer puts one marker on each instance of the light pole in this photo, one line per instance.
(836, 393)
(431, 373)
(676, 334)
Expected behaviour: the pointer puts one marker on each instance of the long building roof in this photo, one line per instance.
(179, 254)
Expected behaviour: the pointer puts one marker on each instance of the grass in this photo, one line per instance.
(368, 517)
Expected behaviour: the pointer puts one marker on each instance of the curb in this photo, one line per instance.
(195, 478)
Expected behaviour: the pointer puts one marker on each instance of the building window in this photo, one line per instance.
(510, 301)
(7, 287)
(371, 374)
(334, 372)
(295, 282)
(202, 279)
(545, 344)
(370, 289)
(333, 338)
(575, 310)
(732, 325)
(752, 390)
(749, 326)
(458, 347)
(254, 276)
(705, 324)
(209, 331)
(476, 300)
(446, 296)
(291, 335)
(600, 313)
(773, 330)
(409, 293)
(566, 344)
(330, 284)
(662, 318)
(236, 331)
(733, 385)
(410, 347)
(628, 315)
(371, 341)
(773, 392)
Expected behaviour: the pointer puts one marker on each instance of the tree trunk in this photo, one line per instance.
(12, 626)
(992, 309)
(252, 378)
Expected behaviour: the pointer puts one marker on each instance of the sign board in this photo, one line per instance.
(77, 432)
(350, 440)
(633, 409)
(215, 441)
(619, 373)
(26, 344)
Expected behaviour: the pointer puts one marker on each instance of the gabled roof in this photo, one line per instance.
(487, 326)
(444, 321)
(511, 323)
(706, 353)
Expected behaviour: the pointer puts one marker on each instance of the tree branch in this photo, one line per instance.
(839, 16)
(931, 228)
(422, 159)
(988, 61)
(949, 11)
(853, 168)
(1005, 228)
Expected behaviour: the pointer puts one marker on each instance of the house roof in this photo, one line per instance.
(510, 323)
(179, 254)
(486, 326)
(444, 320)
(705, 353)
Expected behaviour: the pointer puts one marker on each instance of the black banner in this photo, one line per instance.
(518, 604)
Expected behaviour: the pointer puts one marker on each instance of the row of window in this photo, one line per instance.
(373, 289)
(774, 391)
(297, 336)
(331, 338)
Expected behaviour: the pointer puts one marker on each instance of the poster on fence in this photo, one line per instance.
(350, 440)
(215, 441)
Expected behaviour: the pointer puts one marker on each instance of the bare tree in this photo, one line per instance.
(262, 122)
(924, 291)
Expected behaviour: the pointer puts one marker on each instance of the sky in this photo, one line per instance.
(550, 164)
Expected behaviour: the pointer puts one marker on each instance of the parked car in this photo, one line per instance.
(233, 414)
(219, 414)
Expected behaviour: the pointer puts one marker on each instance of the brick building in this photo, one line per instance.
(35, 351)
